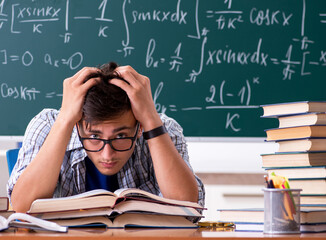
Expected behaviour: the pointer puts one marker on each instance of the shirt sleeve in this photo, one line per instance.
(176, 133)
(35, 134)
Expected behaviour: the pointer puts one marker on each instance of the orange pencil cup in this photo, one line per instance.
(281, 210)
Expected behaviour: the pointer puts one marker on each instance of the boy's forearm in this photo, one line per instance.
(40, 177)
(174, 177)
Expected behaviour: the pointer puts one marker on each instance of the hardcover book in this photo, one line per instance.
(302, 144)
(256, 215)
(309, 185)
(259, 227)
(275, 134)
(126, 220)
(102, 198)
(313, 200)
(291, 159)
(299, 172)
(302, 119)
(290, 108)
(129, 206)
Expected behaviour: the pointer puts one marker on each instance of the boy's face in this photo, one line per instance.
(109, 161)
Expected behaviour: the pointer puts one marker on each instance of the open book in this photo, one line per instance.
(26, 221)
(103, 199)
(123, 208)
(129, 220)
(130, 206)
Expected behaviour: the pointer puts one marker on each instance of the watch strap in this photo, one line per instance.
(154, 132)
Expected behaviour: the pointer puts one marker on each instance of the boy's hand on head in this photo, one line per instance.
(74, 92)
(140, 95)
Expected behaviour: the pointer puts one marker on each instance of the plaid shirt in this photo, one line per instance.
(138, 172)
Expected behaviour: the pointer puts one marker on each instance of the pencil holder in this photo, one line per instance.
(281, 210)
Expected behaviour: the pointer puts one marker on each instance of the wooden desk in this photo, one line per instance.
(149, 234)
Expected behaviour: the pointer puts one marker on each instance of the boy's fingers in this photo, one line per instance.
(121, 84)
(85, 74)
(90, 83)
(128, 73)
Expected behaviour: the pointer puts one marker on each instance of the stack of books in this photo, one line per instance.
(121, 209)
(301, 157)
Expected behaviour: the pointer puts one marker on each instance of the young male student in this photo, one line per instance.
(106, 135)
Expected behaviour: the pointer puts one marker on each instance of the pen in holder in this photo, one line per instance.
(281, 210)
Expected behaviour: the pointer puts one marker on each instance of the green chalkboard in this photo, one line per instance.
(211, 62)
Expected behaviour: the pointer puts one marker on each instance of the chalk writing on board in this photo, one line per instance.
(26, 58)
(230, 56)
(206, 59)
(73, 62)
(176, 60)
(178, 16)
(20, 92)
(125, 43)
(220, 96)
(193, 75)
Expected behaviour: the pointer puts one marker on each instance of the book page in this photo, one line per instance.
(151, 207)
(3, 223)
(52, 205)
(84, 221)
(134, 193)
(134, 206)
(76, 213)
(149, 220)
(91, 199)
(29, 222)
(101, 199)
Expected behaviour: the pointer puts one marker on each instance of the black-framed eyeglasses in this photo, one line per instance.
(117, 144)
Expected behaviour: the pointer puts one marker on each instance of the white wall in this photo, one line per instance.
(206, 156)
(229, 156)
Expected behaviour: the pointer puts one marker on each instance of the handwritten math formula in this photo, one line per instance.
(212, 63)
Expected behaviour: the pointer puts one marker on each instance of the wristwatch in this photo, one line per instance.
(154, 132)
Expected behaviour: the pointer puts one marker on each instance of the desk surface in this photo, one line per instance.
(157, 234)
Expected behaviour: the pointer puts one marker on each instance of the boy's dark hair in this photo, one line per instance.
(105, 101)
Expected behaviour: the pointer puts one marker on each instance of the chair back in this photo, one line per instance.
(12, 155)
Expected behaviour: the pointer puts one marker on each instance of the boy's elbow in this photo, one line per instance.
(20, 205)
(20, 201)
